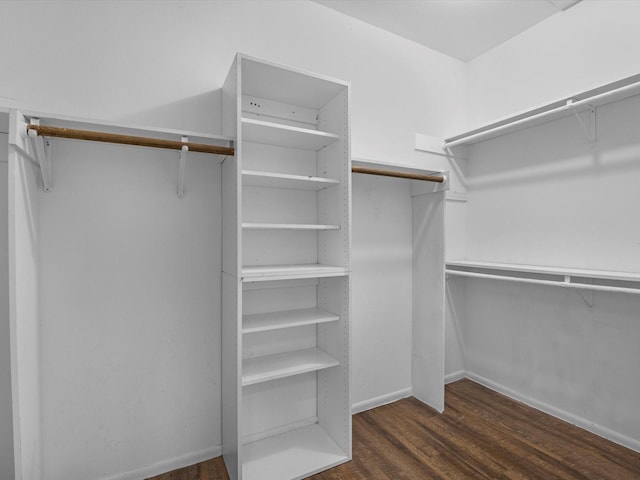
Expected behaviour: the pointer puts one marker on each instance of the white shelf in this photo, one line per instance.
(65, 121)
(253, 178)
(281, 365)
(288, 226)
(603, 95)
(540, 270)
(292, 455)
(290, 318)
(270, 133)
(398, 167)
(564, 277)
(284, 272)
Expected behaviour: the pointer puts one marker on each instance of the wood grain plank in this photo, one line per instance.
(481, 435)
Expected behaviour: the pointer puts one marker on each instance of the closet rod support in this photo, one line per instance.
(75, 134)
(182, 165)
(391, 173)
(590, 129)
(42, 152)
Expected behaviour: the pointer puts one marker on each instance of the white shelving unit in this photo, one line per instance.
(286, 272)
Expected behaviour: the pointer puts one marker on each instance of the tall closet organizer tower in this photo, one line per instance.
(286, 263)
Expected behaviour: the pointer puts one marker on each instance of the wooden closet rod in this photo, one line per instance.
(71, 133)
(390, 173)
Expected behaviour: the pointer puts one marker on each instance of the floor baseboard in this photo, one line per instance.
(381, 400)
(599, 430)
(169, 465)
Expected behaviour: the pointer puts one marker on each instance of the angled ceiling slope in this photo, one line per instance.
(462, 29)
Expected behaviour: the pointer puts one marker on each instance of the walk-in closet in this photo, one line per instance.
(276, 240)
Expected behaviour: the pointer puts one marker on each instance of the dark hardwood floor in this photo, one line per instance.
(481, 435)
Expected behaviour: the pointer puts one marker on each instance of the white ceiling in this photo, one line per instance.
(462, 29)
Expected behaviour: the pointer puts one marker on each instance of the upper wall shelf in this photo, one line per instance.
(271, 133)
(588, 100)
(64, 121)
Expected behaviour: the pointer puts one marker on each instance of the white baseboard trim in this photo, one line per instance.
(381, 400)
(454, 377)
(168, 465)
(599, 430)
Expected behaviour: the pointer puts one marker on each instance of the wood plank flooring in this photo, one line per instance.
(482, 435)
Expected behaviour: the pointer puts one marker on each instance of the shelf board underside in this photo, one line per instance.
(281, 365)
(252, 178)
(270, 133)
(285, 319)
(284, 272)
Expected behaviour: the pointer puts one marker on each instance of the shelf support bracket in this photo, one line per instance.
(589, 301)
(182, 166)
(42, 152)
(589, 129)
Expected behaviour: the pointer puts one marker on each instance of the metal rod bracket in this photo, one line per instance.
(589, 129)
(42, 152)
(182, 166)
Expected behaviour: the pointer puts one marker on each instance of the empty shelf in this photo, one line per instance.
(542, 270)
(295, 454)
(271, 133)
(285, 319)
(288, 226)
(573, 278)
(252, 178)
(284, 272)
(281, 365)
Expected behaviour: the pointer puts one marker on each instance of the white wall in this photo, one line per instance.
(593, 43)
(164, 66)
(547, 196)
(381, 290)
(6, 420)
(130, 311)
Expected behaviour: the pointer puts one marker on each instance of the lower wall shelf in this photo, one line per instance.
(296, 454)
(605, 281)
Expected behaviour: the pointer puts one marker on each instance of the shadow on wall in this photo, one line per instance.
(200, 113)
(559, 150)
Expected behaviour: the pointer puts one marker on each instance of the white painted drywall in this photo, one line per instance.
(130, 311)
(593, 43)
(6, 419)
(546, 347)
(381, 289)
(547, 196)
(164, 66)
